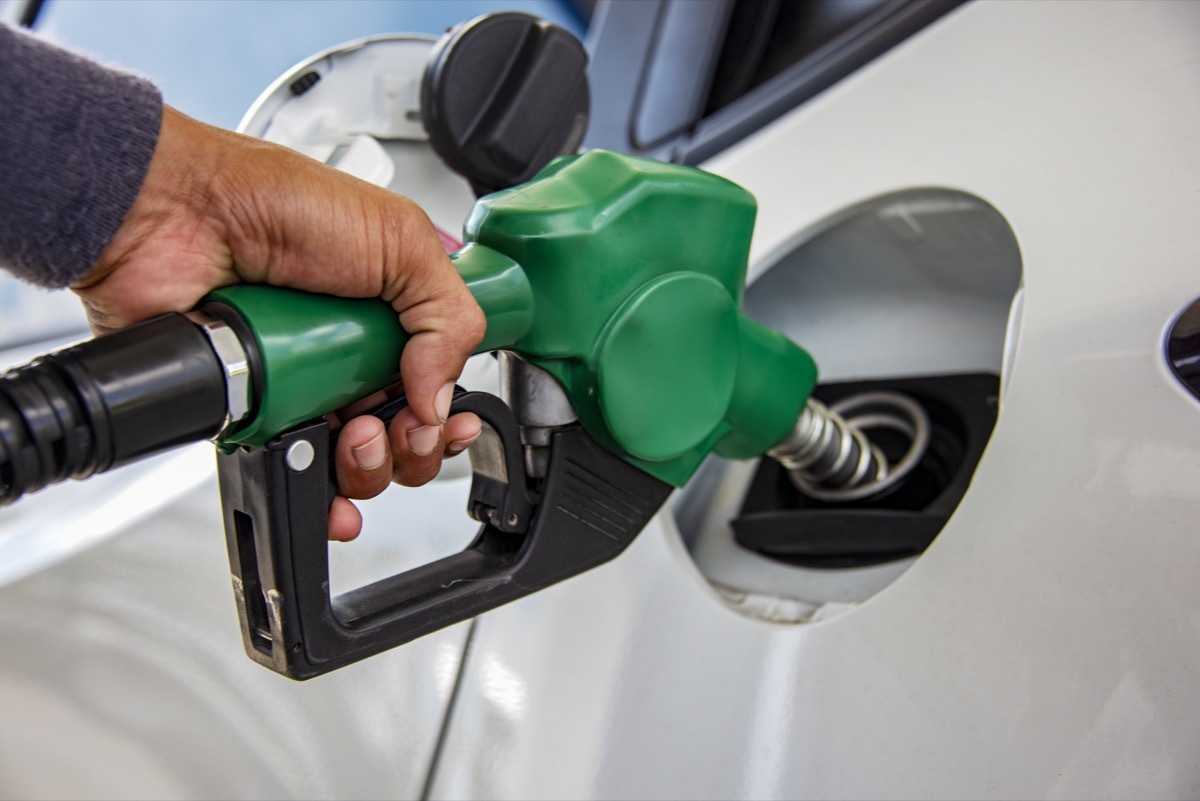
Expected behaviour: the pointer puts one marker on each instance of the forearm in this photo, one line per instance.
(75, 143)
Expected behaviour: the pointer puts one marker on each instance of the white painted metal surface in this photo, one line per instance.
(1046, 644)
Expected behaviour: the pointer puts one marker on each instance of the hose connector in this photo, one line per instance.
(107, 402)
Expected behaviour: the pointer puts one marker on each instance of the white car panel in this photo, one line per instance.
(1046, 644)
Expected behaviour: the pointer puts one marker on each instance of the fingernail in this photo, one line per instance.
(372, 455)
(442, 402)
(460, 445)
(423, 440)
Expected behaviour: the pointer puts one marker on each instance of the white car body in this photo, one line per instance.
(1047, 644)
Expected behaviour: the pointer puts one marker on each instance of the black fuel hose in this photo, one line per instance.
(107, 402)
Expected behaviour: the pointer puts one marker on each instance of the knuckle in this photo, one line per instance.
(474, 324)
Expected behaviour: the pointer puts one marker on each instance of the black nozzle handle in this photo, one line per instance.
(107, 402)
(591, 507)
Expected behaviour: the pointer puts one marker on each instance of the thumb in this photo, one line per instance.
(439, 313)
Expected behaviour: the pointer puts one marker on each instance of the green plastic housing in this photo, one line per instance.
(317, 353)
(621, 277)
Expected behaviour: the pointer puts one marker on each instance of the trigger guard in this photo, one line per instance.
(590, 507)
(497, 458)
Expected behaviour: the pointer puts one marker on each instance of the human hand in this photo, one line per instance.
(218, 208)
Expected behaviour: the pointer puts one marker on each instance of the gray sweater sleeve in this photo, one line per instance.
(75, 143)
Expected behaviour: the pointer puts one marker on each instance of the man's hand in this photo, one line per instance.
(218, 208)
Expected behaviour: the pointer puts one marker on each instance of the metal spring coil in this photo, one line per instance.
(829, 458)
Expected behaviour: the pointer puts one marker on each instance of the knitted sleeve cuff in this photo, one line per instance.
(75, 143)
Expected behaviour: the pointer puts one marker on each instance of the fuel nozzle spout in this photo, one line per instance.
(830, 458)
(109, 401)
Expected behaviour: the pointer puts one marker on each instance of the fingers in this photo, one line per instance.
(345, 521)
(363, 460)
(363, 465)
(368, 458)
(418, 449)
(460, 431)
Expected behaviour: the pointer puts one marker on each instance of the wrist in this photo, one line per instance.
(177, 187)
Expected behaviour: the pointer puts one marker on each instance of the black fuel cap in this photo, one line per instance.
(503, 94)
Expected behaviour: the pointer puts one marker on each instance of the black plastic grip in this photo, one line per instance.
(107, 402)
(590, 508)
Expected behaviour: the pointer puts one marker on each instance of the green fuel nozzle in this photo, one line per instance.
(620, 277)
